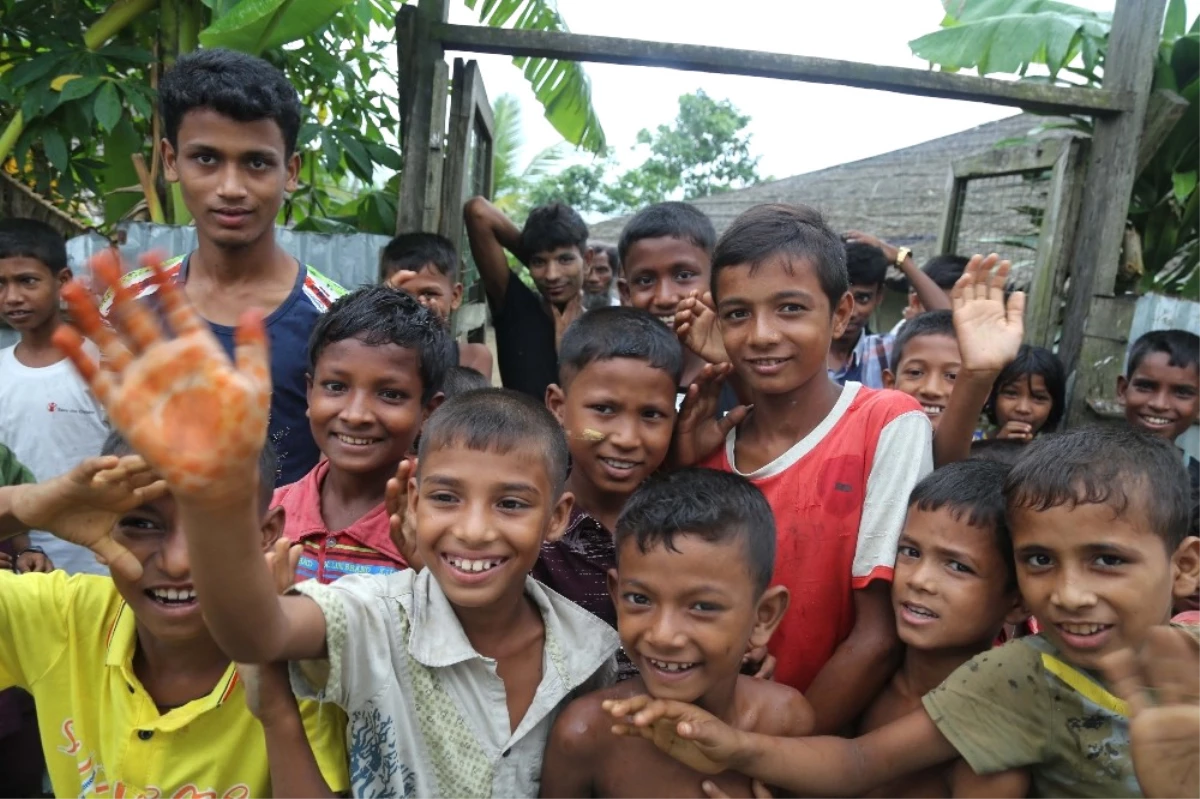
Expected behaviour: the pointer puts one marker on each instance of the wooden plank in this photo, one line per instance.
(1054, 245)
(951, 216)
(1031, 157)
(1112, 168)
(437, 147)
(699, 58)
(457, 141)
(1163, 111)
(422, 52)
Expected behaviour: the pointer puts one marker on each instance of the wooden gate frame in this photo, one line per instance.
(1064, 158)
(1119, 109)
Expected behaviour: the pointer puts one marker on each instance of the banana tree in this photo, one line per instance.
(77, 95)
(1069, 44)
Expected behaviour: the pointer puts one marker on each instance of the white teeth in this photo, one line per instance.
(1082, 629)
(1157, 420)
(917, 610)
(932, 410)
(768, 361)
(666, 666)
(463, 564)
(355, 441)
(616, 464)
(173, 595)
(669, 320)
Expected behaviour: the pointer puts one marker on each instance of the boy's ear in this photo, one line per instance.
(1122, 384)
(308, 387)
(1185, 568)
(293, 172)
(456, 297)
(841, 314)
(560, 517)
(434, 403)
(889, 379)
(771, 607)
(623, 291)
(612, 585)
(1017, 612)
(556, 400)
(272, 526)
(168, 157)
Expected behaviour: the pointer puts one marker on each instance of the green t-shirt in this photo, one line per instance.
(12, 473)
(1022, 705)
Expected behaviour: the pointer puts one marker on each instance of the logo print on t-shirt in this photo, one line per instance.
(51, 407)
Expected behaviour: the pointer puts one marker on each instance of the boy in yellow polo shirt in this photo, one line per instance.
(133, 696)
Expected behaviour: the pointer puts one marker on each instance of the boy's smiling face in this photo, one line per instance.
(233, 174)
(163, 599)
(29, 292)
(435, 291)
(926, 371)
(1162, 399)
(558, 274)
(866, 299)
(1024, 400)
(629, 401)
(660, 272)
(364, 404)
(481, 518)
(776, 323)
(1098, 580)
(687, 615)
(951, 588)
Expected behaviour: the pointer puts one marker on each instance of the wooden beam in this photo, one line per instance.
(421, 53)
(1163, 111)
(1042, 98)
(1112, 168)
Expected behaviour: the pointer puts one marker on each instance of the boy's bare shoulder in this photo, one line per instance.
(771, 708)
(584, 725)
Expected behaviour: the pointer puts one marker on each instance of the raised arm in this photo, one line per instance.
(929, 293)
(200, 423)
(989, 332)
(490, 233)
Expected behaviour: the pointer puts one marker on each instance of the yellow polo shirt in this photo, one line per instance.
(70, 642)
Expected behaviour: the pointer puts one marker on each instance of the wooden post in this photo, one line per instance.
(1091, 351)
(421, 54)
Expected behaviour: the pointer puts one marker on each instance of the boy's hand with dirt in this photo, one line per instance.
(697, 328)
(83, 505)
(692, 736)
(698, 431)
(199, 420)
(1161, 685)
(401, 525)
(1016, 431)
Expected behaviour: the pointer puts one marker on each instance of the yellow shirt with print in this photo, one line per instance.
(70, 642)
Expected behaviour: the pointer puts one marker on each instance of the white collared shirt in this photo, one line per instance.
(427, 713)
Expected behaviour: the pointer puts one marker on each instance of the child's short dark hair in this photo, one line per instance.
(1181, 347)
(378, 315)
(617, 332)
(29, 238)
(674, 220)
(498, 420)
(268, 464)
(552, 226)
(790, 232)
(233, 84)
(930, 323)
(1033, 360)
(413, 251)
(719, 507)
(972, 491)
(865, 264)
(1113, 465)
(945, 270)
(461, 379)
(997, 450)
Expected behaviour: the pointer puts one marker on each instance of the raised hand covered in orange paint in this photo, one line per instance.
(199, 420)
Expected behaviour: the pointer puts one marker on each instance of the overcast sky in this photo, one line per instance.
(796, 127)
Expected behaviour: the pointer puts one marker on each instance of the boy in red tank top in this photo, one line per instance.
(836, 463)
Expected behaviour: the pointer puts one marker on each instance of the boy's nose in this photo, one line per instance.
(231, 185)
(173, 558)
(1071, 592)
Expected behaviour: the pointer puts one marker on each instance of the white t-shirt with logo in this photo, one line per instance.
(51, 422)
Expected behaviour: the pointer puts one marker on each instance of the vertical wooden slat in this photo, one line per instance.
(422, 53)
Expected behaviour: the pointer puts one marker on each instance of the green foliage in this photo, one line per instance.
(333, 51)
(1010, 36)
(705, 151)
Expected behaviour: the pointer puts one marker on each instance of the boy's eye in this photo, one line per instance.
(512, 504)
(393, 395)
(1008, 393)
(138, 524)
(684, 275)
(653, 413)
(602, 409)
(863, 299)
(1185, 392)
(791, 307)
(205, 159)
(962, 568)
(951, 376)
(258, 163)
(443, 497)
(737, 315)
(706, 607)
(643, 281)
(1110, 561)
(1043, 398)
(334, 386)
(913, 373)
(1039, 561)
(635, 598)
(908, 552)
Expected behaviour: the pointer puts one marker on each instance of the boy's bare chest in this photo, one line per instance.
(521, 672)
(636, 768)
(931, 782)
(225, 305)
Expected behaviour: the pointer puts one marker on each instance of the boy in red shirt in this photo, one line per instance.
(836, 463)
